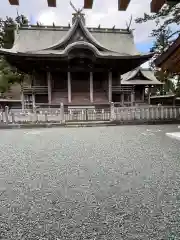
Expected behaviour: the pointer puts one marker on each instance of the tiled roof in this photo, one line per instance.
(140, 76)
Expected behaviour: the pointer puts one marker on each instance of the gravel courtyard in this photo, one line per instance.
(90, 183)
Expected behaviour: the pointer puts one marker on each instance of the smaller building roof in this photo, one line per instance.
(140, 76)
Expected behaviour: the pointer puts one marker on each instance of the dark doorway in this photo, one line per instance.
(80, 82)
(116, 97)
(59, 81)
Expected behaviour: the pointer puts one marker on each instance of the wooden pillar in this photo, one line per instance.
(132, 98)
(122, 99)
(49, 87)
(61, 112)
(174, 101)
(110, 86)
(69, 87)
(22, 100)
(143, 94)
(149, 95)
(91, 87)
(33, 101)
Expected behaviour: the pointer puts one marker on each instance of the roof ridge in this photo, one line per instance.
(44, 27)
(78, 22)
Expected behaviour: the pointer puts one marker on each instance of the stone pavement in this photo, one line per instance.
(175, 135)
(103, 183)
(85, 124)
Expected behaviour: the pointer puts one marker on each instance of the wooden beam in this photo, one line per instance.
(51, 3)
(123, 4)
(14, 2)
(156, 5)
(88, 4)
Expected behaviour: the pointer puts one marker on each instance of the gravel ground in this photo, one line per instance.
(90, 183)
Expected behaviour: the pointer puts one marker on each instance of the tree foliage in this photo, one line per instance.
(7, 28)
(167, 17)
(8, 74)
(167, 21)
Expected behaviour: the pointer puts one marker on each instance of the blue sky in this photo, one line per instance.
(144, 46)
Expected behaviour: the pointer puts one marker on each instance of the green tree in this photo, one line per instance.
(7, 28)
(167, 19)
(162, 42)
(8, 74)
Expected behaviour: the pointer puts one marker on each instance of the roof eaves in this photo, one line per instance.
(99, 54)
(162, 58)
(129, 75)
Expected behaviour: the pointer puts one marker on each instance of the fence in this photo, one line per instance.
(114, 114)
(146, 114)
(54, 115)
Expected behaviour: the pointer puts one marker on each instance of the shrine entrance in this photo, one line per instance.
(79, 82)
(80, 87)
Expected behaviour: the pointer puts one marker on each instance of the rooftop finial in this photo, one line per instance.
(129, 25)
(78, 13)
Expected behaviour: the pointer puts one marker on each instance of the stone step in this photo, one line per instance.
(78, 97)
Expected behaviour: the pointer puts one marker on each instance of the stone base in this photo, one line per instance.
(84, 124)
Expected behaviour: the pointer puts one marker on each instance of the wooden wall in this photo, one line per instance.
(172, 63)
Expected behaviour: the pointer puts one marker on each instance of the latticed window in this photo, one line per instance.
(28, 98)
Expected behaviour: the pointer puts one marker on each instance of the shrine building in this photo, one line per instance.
(77, 65)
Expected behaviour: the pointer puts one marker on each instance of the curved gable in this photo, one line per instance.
(140, 76)
(77, 33)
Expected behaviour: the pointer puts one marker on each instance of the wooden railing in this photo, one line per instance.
(35, 89)
(122, 88)
(118, 115)
(145, 114)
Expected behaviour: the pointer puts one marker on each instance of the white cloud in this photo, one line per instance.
(47, 17)
(105, 14)
(111, 16)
